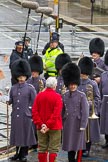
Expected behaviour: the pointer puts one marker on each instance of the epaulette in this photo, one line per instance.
(105, 72)
(31, 86)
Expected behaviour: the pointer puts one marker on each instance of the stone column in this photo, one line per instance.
(101, 5)
(105, 4)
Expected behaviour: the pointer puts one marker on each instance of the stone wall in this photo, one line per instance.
(99, 5)
(102, 5)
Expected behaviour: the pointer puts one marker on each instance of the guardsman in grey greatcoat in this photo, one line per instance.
(90, 88)
(36, 65)
(60, 61)
(104, 106)
(21, 97)
(75, 113)
(97, 48)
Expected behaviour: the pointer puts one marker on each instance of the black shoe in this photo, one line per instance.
(105, 146)
(85, 153)
(15, 157)
(34, 148)
(23, 159)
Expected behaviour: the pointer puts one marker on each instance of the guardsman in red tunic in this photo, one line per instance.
(46, 114)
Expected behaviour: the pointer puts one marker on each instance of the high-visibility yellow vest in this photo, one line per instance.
(49, 60)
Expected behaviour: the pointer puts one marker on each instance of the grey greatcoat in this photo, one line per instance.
(104, 106)
(93, 123)
(35, 82)
(100, 63)
(75, 116)
(60, 84)
(22, 132)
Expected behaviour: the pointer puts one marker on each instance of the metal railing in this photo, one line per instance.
(75, 39)
(82, 34)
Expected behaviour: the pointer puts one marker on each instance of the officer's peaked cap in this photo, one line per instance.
(55, 34)
(26, 38)
(19, 43)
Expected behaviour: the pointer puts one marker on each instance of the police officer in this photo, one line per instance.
(17, 53)
(55, 35)
(49, 58)
(21, 97)
(27, 49)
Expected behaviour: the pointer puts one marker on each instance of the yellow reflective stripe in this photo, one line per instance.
(52, 74)
(51, 69)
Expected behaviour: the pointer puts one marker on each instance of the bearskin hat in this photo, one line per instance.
(106, 58)
(20, 68)
(61, 60)
(86, 65)
(97, 45)
(36, 64)
(71, 74)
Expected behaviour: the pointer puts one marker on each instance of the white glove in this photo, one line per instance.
(82, 129)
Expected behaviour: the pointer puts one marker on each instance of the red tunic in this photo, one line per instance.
(47, 109)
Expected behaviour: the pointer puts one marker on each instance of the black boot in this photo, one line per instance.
(86, 152)
(23, 153)
(106, 144)
(16, 156)
(71, 156)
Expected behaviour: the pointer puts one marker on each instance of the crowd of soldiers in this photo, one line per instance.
(69, 97)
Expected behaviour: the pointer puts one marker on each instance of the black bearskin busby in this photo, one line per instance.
(106, 58)
(71, 74)
(36, 64)
(61, 60)
(97, 45)
(86, 65)
(20, 68)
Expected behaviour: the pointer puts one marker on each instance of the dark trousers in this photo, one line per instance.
(88, 146)
(71, 156)
(106, 138)
(22, 151)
